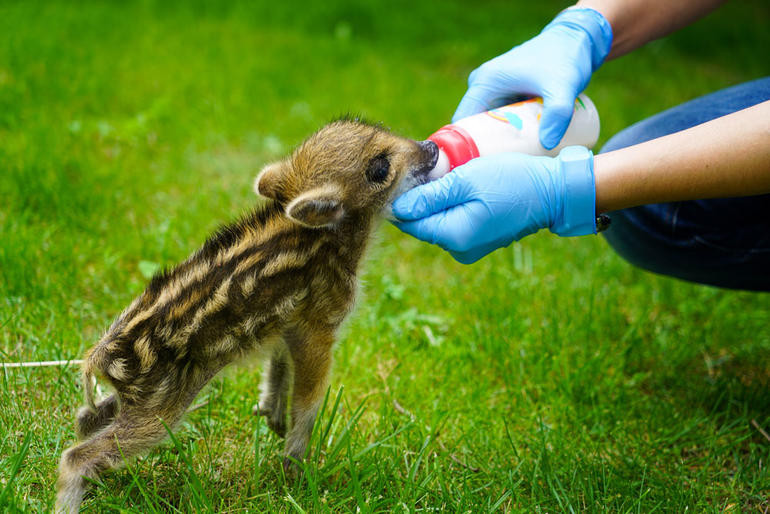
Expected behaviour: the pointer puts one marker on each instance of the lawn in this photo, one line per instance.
(551, 376)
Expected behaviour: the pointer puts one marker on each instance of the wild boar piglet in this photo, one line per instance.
(278, 282)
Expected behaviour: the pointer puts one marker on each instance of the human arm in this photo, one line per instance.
(725, 157)
(636, 22)
(491, 201)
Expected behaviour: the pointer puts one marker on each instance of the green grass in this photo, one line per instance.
(552, 376)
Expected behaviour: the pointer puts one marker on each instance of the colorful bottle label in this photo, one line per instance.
(506, 114)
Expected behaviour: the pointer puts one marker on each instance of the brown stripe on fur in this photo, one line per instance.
(259, 280)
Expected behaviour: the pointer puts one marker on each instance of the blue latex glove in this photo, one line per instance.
(556, 65)
(492, 201)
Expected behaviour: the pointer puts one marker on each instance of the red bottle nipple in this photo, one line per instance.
(456, 143)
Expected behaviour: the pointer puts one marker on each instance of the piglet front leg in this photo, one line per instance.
(311, 356)
(274, 396)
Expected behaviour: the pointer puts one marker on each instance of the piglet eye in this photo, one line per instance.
(378, 168)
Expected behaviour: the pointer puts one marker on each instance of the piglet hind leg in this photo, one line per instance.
(139, 425)
(130, 433)
(312, 357)
(90, 420)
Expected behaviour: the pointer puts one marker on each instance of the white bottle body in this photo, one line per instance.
(515, 128)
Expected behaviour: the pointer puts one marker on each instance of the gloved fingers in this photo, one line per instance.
(468, 257)
(557, 113)
(473, 102)
(443, 229)
(429, 198)
(473, 255)
(423, 229)
(453, 229)
(489, 86)
(428, 230)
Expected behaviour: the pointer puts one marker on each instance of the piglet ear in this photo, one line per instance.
(269, 182)
(320, 207)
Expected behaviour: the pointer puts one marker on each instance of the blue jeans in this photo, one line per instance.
(722, 242)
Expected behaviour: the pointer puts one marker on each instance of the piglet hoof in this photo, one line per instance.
(276, 425)
(279, 427)
(290, 467)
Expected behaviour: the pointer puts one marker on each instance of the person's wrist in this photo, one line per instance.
(575, 172)
(593, 24)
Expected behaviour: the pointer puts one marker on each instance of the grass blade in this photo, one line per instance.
(16, 466)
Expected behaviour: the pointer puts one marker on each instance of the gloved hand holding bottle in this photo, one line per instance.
(495, 200)
(555, 65)
(708, 156)
(492, 201)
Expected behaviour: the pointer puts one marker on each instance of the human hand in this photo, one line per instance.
(492, 201)
(556, 65)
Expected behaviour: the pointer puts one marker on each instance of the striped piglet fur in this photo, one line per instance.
(278, 282)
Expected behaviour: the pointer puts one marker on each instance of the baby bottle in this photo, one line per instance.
(512, 128)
